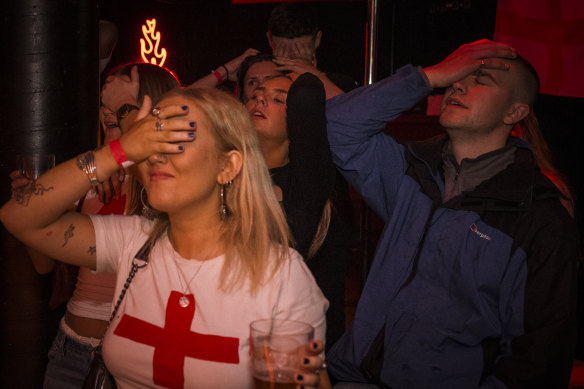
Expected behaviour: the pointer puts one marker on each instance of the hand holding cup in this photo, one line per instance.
(32, 166)
(277, 352)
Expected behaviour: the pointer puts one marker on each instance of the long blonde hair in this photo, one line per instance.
(256, 235)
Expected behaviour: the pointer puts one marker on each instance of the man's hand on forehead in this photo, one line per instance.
(467, 59)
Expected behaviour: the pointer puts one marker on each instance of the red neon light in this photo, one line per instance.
(150, 35)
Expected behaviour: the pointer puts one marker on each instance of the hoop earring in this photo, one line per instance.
(147, 210)
(224, 211)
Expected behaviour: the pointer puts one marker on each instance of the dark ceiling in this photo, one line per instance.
(202, 34)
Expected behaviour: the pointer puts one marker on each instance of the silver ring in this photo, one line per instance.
(155, 111)
(159, 124)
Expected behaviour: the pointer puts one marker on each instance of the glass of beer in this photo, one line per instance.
(276, 345)
(33, 165)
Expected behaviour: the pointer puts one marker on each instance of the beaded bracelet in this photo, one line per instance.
(226, 72)
(119, 154)
(86, 163)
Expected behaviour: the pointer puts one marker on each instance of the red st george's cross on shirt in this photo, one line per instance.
(550, 35)
(175, 341)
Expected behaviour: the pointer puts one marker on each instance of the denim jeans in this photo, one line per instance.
(69, 362)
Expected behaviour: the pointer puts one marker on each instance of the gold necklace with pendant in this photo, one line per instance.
(184, 301)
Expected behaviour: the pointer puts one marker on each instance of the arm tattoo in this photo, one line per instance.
(91, 250)
(23, 194)
(68, 234)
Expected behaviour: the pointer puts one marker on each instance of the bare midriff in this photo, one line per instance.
(84, 326)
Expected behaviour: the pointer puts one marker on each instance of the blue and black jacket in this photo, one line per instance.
(475, 292)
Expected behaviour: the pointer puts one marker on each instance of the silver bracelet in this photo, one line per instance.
(86, 163)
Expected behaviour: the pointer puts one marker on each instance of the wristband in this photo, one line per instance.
(217, 75)
(118, 154)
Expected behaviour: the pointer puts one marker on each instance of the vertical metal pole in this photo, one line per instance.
(371, 44)
(370, 78)
(49, 103)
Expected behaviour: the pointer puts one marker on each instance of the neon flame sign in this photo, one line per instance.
(151, 35)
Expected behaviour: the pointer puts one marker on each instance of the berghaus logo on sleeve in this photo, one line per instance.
(474, 229)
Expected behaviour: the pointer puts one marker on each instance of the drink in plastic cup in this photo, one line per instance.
(276, 345)
(33, 165)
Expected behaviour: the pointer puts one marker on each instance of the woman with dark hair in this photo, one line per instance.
(254, 70)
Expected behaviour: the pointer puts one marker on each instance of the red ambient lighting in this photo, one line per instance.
(149, 44)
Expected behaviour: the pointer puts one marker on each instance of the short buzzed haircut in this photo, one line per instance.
(293, 21)
(528, 85)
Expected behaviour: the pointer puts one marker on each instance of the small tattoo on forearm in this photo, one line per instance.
(68, 234)
(23, 194)
(91, 250)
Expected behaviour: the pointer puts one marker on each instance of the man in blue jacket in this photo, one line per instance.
(474, 278)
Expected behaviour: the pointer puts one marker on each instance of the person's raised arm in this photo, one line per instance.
(38, 214)
(311, 170)
(300, 66)
(42, 263)
(363, 112)
(228, 71)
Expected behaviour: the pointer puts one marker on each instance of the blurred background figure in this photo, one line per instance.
(294, 36)
(108, 37)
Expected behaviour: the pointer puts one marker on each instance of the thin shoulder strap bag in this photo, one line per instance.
(98, 376)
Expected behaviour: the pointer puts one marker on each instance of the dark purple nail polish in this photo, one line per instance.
(184, 107)
(181, 148)
(314, 345)
(299, 377)
(192, 124)
(306, 361)
(192, 134)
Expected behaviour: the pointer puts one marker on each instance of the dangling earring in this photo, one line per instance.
(224, 211)
(147, 210)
